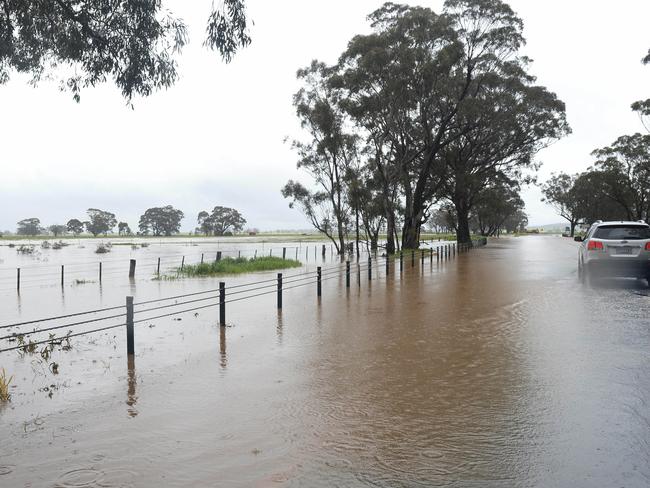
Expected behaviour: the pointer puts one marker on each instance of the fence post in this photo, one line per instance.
(347, 274)
(158, 268)
(453, 248)
(422, 257)
(296, 254)
(218, 256)
(222, 304)
(387, 264)
(401, 261)
(239, 253)
(412, 258)
(62, 274)
(201, 258)
(284, 253)
(369, 268)
(324, 250)
(182, 263)
(130, 342)
(18, 279)
(279, 290)
(100, 272)
(431, 256)
(318, 281)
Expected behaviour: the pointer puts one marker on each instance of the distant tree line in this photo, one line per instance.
(615, 187)
(156, 221)
(429, 113)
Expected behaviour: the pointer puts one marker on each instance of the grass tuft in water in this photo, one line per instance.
(238, 266)
(5, 396)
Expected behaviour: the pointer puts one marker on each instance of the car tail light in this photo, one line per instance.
(595, 246)
(647, 246)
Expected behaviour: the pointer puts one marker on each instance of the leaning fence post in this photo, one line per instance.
(369, 268)
(347, 274)
(18, 279)
(279, 290)
(130, 343)
(318, 281)
(222, 304)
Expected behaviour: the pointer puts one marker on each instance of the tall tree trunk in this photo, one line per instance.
(390, 232)
(573, 227)
(357, 231)
(463, 235)
(411, 233)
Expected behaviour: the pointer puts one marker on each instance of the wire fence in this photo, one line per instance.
(26, 336)
(85, 272)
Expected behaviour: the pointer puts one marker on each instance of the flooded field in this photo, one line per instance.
(496, 368)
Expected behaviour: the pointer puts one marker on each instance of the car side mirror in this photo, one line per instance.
(578, 239)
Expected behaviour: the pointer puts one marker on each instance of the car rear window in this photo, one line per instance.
(628, 232)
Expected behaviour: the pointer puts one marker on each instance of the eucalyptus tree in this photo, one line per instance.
(642, 107)
(326, 154)
(221, 221)
(75, 226)
(625, 174)
(135, 43)
(29, 227)
(399, 91)
(505, 120)
(561, 192)
(100, 221)
(495, 206)
(161, 221)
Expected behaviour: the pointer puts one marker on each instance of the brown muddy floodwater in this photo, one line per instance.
(497, 369)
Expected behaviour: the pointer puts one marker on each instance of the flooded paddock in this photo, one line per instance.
(496, 368)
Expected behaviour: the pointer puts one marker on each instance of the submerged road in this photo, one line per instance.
(497, 369)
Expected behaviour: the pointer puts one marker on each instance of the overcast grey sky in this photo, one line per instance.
(216, 137)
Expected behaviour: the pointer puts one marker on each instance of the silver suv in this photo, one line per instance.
(615, 249)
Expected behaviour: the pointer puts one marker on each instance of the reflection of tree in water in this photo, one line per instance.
(132, 397)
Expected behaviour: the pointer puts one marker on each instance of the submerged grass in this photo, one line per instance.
(5, 396)
(238, 266)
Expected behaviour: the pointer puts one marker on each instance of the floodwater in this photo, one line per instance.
(493, 369)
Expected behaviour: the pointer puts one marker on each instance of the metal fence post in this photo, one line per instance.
(201, 258)
(369, 268)
(347, 274)
(222, 304)
(431, 256)
(158, 268)
(401, 261)
(318, 281)
(62, 274)
(18, 279)
(279, 290)
(182, 263)
(100, 272)
(130, 342)
(387, 264)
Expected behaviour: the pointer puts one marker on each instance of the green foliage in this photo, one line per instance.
(100, 222)
(238, 266)
(161, 221)
(29, 227)
(75, 226)
(5, 396)
(221, 221)
(134, 42)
